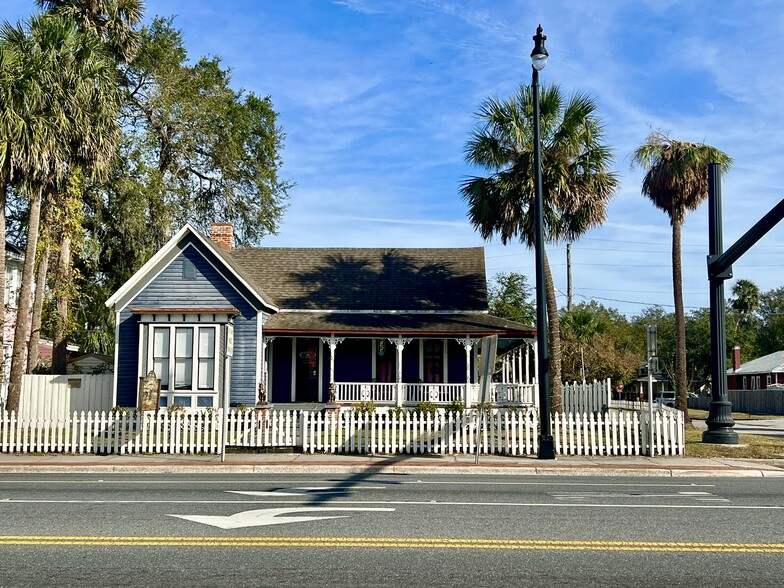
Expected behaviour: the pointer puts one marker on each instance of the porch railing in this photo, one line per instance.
(441, 394)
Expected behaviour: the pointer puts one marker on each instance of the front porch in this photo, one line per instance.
(394, 371)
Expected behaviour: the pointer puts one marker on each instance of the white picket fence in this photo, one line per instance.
(505, 432)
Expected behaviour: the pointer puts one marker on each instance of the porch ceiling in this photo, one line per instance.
(416, 324)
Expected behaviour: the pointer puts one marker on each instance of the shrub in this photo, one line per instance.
(175, 408)
(456, 406)
(425, 408)
(366, 407)
(395, 411)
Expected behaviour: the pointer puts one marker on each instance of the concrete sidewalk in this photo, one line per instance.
(299, 463)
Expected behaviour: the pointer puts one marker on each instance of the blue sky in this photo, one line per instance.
(377, 98)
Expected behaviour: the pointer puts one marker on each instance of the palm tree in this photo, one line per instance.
(747, 297)
(113, 22)
(584, 325)
(576, 181)
(71, 116)
(676, 181)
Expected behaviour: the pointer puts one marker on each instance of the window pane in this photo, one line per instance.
(206, 373)
(182, 401)
(160, 355)
(183, 358)
(164, 401)
(204, 401)
(207, 342)
(184, 347)
(183, 374)
(161, 367)
(161, 345)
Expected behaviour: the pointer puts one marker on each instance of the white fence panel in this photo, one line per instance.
(57, 397)
(589, 397)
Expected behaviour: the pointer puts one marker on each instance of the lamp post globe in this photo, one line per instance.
(546, 446)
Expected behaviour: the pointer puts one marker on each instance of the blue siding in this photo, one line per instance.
(208, 289)
(127, 362)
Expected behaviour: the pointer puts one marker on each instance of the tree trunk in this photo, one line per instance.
(22, 330)
(681, 385)
(553, 340)
(59, 351)
(38, 307)
(3, 191)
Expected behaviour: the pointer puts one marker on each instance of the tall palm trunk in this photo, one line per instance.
(22, 330)
(680, 318)
(38, 308)
(553, 340)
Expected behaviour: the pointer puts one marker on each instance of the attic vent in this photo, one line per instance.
(188, 270)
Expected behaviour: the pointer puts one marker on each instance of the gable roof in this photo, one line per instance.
(418, 280)
(167, 253)
(768, 364)
(378, 279)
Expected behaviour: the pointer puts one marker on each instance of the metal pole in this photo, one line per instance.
(546, 446)
(719, 422)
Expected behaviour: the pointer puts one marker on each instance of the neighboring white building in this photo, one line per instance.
(14, 260)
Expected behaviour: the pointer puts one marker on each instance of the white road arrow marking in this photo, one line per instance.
(267, 516)
(306, 490)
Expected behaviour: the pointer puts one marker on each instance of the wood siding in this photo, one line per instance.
(207, 289)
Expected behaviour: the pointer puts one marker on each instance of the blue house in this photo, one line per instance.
(294, 326)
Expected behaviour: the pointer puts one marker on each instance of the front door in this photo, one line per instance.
(307, 370)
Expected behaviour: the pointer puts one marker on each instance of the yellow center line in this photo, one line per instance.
(392, 542)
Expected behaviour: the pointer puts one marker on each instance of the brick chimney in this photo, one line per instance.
(735, 358)
(222, 234)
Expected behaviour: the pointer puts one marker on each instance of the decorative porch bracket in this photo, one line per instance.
(333, 343)
(468, 344)
(264, 384)
(719, 422)
(399, 344)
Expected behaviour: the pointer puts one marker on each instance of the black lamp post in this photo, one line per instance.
(546, 446)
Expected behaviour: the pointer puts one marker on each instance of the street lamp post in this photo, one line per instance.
(546, 446)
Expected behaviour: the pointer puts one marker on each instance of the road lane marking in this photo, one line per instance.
(406, 503)
(393, 542)
(393, 482)
(269, 516)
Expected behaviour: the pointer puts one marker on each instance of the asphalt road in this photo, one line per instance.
(389, 530)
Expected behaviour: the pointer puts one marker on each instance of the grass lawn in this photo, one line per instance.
(696, 413)
(749, 446)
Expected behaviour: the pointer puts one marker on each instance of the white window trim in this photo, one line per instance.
(194, 391)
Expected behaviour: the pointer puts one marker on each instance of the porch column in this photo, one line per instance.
(468, 344)
(536, 372)
(399, 343)
(527, 363)
(264, 384)
(333, 345)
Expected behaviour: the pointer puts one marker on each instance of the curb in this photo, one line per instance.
(510, 470)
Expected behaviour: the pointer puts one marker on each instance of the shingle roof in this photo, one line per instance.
(767, 364)
(404, 279)
(466, 323)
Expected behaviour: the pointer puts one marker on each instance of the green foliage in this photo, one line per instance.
(175, 409)
(426, 408)
(395, 411)
(365, 408)
(456, 406)
(510, 297)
